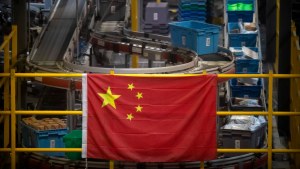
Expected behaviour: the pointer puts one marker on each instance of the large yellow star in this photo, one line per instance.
(108, 98)
(129, 117)
(130, 86)
(138, 108)
(139, 95)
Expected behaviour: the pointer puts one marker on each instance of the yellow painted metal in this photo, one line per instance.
(48, 75)
(286, 113)
(5, 112)
(111, 164)
(134, 28)
(160, 75)
(45, 112)
(4, 74)
(286, 150)
(243, 75)
(218, 150)
(277, 35)
(226, 113)
(5, 149)
(67, 112)
(1, 118)
(6, 92)
(14, 50)
(7, 40)
(157, 1)
(134, 15)
(223, 150)
(13, 118)
(48, 150)
(286, 76)
(270, 119)
(201, 164)
(295, 96)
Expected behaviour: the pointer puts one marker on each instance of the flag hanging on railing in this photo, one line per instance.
(149, 118)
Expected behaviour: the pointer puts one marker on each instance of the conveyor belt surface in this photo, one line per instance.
(58, 33)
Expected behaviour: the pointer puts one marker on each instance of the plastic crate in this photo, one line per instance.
(242, 139)
(191, 1)
(196, 18)
(237, 51)
(157, 13)
(195, 35)
(243, 91)
(73, 140)
(192, 13)
(43, 139)
(236, 16)
(240, 10)
(247, 66)
(192, 7)
(240, 39)
(235, 107)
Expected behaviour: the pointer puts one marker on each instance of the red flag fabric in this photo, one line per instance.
(149, 119)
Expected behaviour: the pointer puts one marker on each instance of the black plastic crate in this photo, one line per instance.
(242, 139)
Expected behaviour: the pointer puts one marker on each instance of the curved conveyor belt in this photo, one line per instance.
(57, 35)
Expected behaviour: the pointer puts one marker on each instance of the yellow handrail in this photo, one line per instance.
(270, 113)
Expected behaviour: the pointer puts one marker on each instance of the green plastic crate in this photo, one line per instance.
(73, 140)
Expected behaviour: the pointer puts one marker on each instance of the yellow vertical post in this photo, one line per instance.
(270, 120)
(201, 164)
(157, 1)
(134, 28)
(14, 50)
(111, 164)
(13, 118)
(6, 93)
(277, 35)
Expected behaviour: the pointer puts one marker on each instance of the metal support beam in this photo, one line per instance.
(271, 32)
(284, 60)
(6, 92)
(135, 28)
(20, 18)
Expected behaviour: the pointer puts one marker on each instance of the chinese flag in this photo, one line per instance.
(149, 118)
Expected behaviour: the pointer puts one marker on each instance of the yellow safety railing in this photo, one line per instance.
(13, 113)
(10, 39)
(295, 95)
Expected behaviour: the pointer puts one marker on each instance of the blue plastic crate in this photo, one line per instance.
(246, 65)
(200, 3)
(237, 51)
(195, 35)
(192, 13)
(243, 91)
(236, 16)
(196, 18)
(43, 139)
(189, 1)
(240, 15)
(240, 39)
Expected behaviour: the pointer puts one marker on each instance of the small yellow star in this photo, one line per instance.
(139, 108)
(139, 95)
(108, 98)
(130, 86)
(129, 117)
